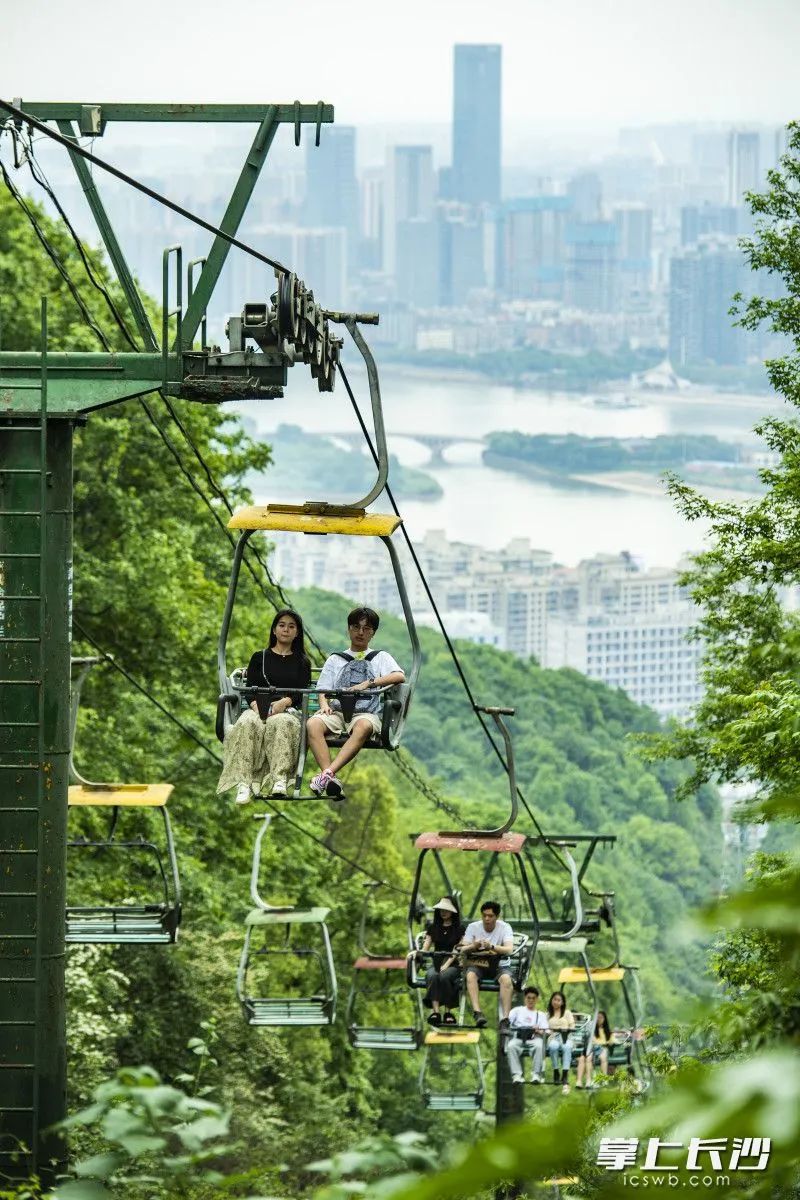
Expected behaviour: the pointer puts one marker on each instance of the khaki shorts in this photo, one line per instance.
(336, 724)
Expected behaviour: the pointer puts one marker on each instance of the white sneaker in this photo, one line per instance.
(243, 795)
(279, 785)
(537, 1079)
(517, 1079)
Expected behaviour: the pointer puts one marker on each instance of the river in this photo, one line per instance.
(489, 507)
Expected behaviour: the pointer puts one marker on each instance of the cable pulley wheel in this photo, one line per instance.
(320, 337)
(287, 306)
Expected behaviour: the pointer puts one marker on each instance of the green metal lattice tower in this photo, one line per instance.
(42, 396)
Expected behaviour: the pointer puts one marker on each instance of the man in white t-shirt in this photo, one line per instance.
(524, 1017)
(487, 947)
(362, 625)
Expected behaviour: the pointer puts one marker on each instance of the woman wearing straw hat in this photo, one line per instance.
(442, 936)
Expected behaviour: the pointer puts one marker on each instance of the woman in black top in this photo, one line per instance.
(260, 752)
(442, 936)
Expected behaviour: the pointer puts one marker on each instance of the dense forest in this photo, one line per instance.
(151, 563)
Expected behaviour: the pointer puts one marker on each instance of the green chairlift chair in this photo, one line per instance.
(378, 981)
(285, 933)
(451, 1077)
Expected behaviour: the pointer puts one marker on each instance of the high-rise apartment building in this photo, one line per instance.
(586, 193)
(462, 266)
(703, 280)
(592, 266)
(408, 195)
(476, 124)
(607, 617)
(634, 225)
(332, 196)
(371, 245)
(744, 174)
(534, 250)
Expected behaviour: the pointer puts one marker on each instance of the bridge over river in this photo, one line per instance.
(435, 443)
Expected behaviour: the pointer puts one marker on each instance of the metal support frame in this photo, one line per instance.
(108, 379)
(35, 577)
(497, 715)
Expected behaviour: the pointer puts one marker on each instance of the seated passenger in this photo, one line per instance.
(559, 1043)
(527, 1016)
(361, 718)
(602, 1039)
(260, 750)
(442, 936)
(487, 946)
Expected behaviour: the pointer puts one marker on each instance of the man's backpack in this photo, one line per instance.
(355, 670)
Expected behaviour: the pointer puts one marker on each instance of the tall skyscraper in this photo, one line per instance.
(332, 197)
(743, 165)
(476, 124)
(408, 195)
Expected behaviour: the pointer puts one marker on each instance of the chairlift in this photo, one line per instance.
(503, 849)
(379, 981)
(275, 933)
(127, 922)
(234, 690)
(451, 1077)
(628, 1050)
(319, 518)
(517, 899)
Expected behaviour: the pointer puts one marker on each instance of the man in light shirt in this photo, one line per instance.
(487, 947)
(362, 723)
(528, 1024)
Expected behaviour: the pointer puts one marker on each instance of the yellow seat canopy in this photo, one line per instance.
(259, 516)
(599, 975)
(120, 795)
(458, 1037)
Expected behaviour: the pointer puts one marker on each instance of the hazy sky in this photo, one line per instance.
(578, 63)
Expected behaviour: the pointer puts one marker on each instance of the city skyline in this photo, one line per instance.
(569, 64)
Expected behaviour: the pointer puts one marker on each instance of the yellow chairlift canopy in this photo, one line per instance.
(120, 795)
(259, 516)
(458, 1037)
(599, 975)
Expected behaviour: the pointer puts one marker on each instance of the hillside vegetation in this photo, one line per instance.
(151, 565)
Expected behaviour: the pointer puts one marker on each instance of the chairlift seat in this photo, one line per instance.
(575, 945)
(598, 975)
(147, 924)
(119, 795)
(376, 1037)
(453, 1037)
(379, 964)
(287, 916)
(265, 516)
(309, 1010)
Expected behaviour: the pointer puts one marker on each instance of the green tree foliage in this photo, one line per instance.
(574, 452)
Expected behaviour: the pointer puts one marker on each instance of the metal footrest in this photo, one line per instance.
(126, 925)
(384, 1039)
(309, 1011)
